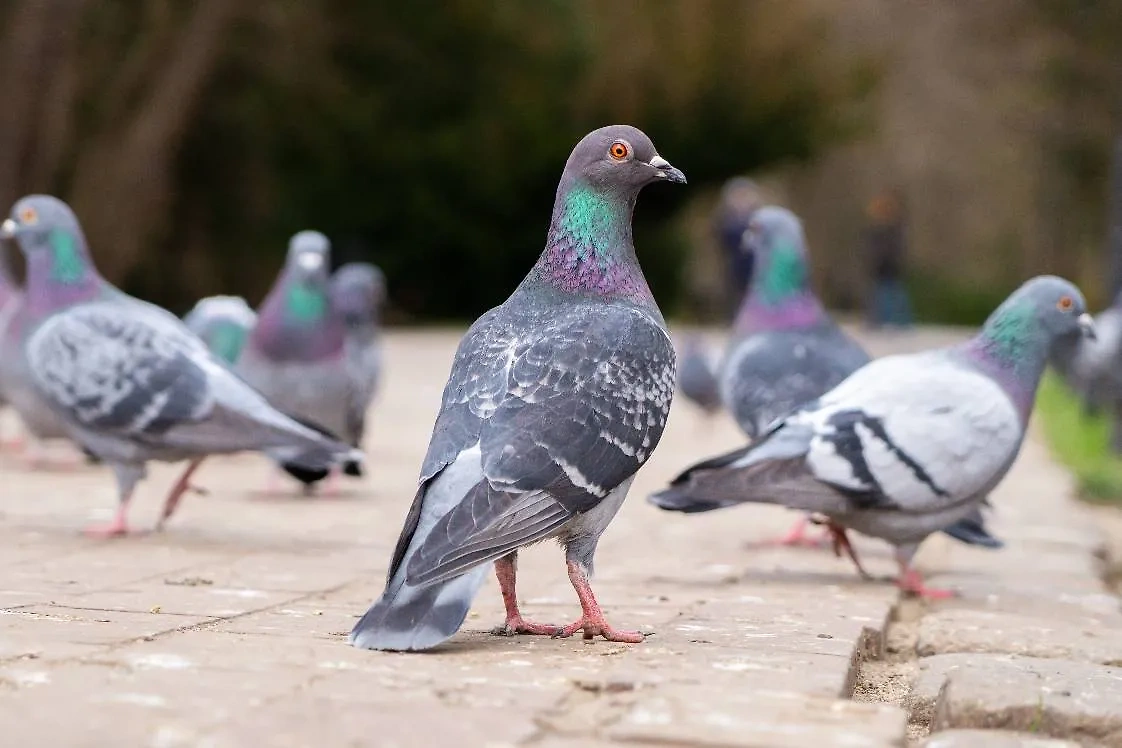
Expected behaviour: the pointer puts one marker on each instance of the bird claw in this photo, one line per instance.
(593, 628)
(516, 626)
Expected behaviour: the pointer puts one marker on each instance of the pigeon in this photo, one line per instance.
(555, 399)
(785, 350)
(223, 323)
(696, 378)
(907, 445)
(296, 355)
(128, 379)
(17, 387)
(1093, 369)
(358, 290)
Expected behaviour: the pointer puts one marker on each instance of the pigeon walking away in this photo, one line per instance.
(555, 399)
(223, 323)
(908, 445)
(358, 291)
(696, 377)
(129, 380)
(296, 354)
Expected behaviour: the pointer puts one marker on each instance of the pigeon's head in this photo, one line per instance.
(309, 254)
(1045, 309)
(619, 158)
(358, 289)
(42, 222)
(775, 237)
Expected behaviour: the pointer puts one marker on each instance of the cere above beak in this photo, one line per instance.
(8, 229)
(667, 171)
(309, 261)
(1087, 326)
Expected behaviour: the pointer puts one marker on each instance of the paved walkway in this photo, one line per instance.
(229, 629)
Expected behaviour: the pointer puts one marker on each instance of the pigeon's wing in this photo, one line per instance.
(363, 369)
(770, 374)
(585, 402)
(913, 433)
(116, 368)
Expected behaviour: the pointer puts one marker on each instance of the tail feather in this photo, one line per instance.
(972, 531)
(409, 618)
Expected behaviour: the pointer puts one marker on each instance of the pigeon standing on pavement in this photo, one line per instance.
(296, 355)
(784, 349)
(555, 399)
(358, 291)
(223, 323)
(129, 380)
(908, 445)
(696, 377)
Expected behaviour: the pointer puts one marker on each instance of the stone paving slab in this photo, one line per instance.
(229, 628)
(992, 739)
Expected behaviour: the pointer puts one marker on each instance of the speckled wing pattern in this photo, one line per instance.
(911, 433)
(769, 374)
(120, 371)
(564, 409)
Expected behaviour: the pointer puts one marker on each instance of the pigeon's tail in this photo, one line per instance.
(409, 618)
(312, 466)
(754, 473)
(972, 531)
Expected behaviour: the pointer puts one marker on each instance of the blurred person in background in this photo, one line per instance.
(885, 246)
(740, 197)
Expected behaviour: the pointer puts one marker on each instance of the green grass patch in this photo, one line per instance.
(1080, 441)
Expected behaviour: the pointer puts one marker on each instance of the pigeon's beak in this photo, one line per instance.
(9, 229)
(667, 171)
(1087, 326)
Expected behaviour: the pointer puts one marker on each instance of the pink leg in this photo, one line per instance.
(331, 483)
(505, 570)
(798, 536)
(592, 621)
(841, 543)
(15, 444)
(911, 581)
(117, 528)
(181, 487)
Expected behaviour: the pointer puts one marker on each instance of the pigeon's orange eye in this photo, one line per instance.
(29, 216)
(1065, 304)
(619, 150)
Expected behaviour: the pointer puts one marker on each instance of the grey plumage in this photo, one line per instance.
(554, 400)
(223, 323)
(908, 445)
(696, 376)
(1093, 369)
(128, 379)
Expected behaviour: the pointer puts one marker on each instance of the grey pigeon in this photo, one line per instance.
(555, 399)
(696, 376)
(130, 381)
(296, 355)
(358, 291)
(785, 350)
(908, 445)
(10, 299)
(223, 323)
(1093, 369)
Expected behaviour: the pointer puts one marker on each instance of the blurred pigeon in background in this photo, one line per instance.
(555, 399)
(296, 354)
(908, 445)
(1093, 369)
(223, 323)
(696, 376)
(358, 292)
(130, 381)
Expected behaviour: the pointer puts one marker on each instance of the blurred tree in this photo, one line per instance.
(194, 137)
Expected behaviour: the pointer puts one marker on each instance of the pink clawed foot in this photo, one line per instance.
(118, 527)
(505, 572)
(594, 626)
(910, 581)
(592, 620)
(516, 625)
(331, 483)
(798, 536)
(15, 444)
